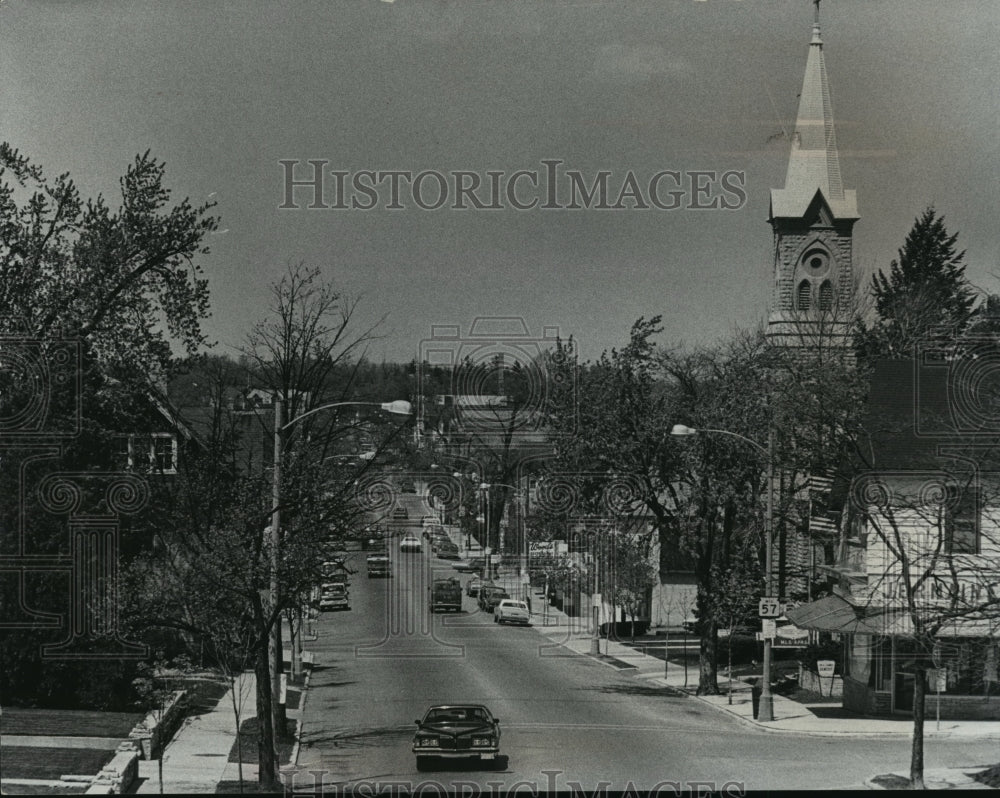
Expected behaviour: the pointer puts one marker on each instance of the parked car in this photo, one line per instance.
(334, 597)
(378, 565)
(430, 520)
(475, 565)
(410, 543)
(473, 585)
(453, 731)
(512, 611)
(489, 597)
(447, 550)
(399, 513)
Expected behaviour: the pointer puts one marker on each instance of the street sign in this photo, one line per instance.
(825, 668)
(769, 629)
(596, 601)
(769, 607)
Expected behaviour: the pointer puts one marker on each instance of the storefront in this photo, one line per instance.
(881, 659)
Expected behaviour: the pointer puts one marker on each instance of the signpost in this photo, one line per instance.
(770, 628)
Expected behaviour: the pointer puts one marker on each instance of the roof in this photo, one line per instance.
(837, 614)
(814, 163)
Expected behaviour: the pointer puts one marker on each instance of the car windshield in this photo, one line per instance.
(456, 715)
(518, 604)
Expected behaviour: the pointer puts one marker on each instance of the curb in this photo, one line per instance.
(765, 727)
(294, 758)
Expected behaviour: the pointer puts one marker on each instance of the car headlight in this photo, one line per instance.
(482, 742)
(427, 741)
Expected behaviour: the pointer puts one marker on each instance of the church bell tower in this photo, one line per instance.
(812, 218)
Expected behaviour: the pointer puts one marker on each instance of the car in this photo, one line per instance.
(378, 565)
(453, 731)
(334, 597)
(490, 596)
(334, 571)
(447, 551)
(475, 565)
(399, 513)
(340, 579)
(430, 520)
(512, 611)
(407, 486)
(473, 585)
(410, 543)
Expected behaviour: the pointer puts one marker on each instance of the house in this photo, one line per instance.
(916, 577)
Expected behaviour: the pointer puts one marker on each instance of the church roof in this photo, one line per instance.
(814, 164)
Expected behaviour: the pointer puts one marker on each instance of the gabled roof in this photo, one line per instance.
(814, 164)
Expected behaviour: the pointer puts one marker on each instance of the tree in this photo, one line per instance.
(925, 296)
(122, 283)
(105, 275)
(631, 573)
(309, 335)
(739, 586)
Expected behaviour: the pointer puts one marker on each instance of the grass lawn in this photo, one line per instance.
(25, 762)
(69, 722)
(248, 736)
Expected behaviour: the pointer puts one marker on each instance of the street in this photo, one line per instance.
(566, 719)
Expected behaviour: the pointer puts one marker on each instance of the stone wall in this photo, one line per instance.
(118, 776)
(154, 731)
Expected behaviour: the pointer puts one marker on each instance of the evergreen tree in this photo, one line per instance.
(924, 296)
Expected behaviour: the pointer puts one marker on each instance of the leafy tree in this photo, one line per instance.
(123, 281)
(924, 297)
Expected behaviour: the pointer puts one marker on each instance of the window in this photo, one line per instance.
(155, 453)
(961, 520)
(164, 453)
(826, 296)
(120, 457)
(804, 295)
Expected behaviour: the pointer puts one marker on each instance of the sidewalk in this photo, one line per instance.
(197, 758)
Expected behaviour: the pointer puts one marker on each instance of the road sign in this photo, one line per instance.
(769, 629)
(769, 607)
(825, 668)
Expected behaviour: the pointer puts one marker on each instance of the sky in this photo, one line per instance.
(223, 91)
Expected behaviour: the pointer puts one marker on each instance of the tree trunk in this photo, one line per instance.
(708, 667)
(265, 734)
(919, 707)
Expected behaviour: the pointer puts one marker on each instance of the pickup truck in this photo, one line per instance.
(446, 594)
(378, 565)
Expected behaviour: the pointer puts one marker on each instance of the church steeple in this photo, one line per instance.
(814, 164)
(812, 218)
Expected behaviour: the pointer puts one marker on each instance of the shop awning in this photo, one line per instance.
(837, 614)
(830, 614)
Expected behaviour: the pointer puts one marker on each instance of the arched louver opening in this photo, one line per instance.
(804, 295)
(826, 296)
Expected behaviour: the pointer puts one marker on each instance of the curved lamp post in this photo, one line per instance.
(398, 407)
(766, 710)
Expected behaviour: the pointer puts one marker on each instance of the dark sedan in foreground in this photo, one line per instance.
(457, 731)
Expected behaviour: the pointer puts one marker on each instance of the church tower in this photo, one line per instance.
(812, 219)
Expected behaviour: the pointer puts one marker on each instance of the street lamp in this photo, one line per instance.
(766, 710)
(398, 407)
